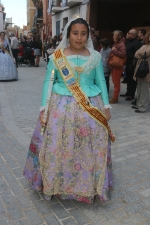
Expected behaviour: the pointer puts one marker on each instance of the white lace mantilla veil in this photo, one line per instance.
(7, 43)
(64, 43)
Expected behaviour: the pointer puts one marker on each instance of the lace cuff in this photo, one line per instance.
(42, 108)
(107, 107)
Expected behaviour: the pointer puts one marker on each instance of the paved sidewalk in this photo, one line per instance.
(20, 205)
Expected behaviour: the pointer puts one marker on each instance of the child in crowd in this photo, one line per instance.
(105, 51)
(21, 50)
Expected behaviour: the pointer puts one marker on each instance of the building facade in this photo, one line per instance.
(103, 15)
(41, 22)
(30, 14)
(8, 23)
(2, 17)
(109, 15)
(63, 11)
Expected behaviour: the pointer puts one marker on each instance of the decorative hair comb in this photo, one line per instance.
(76, 16)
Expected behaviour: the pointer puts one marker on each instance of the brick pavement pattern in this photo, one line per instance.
(20, 205)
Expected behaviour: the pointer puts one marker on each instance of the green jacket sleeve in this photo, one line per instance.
(101, 83)
(50, 68)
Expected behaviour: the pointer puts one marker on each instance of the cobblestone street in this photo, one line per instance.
(20, 205)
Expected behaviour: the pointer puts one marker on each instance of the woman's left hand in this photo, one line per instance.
(108, 116)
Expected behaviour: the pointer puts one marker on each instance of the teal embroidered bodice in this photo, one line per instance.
(91, 80)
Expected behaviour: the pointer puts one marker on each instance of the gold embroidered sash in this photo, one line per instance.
(78, 94)
(4, 50)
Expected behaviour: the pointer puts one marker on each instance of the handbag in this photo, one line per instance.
(143, 68)
(116, 61)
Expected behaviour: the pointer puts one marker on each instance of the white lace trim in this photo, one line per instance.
(107, 107)
(79, 57)
(92, 61)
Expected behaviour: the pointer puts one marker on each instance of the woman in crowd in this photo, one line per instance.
(8, 69)
(105, 52)
(37, 45)
(74, 154)
(59, 39)
(28, 51)
(143, 84)
(50, 50)
(118, 49)
(50, 44)
(43, 49)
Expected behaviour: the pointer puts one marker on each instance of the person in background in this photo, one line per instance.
(143, 84)
(55, 38)
(15, 48)
(37, 45)
(21, 50)
(50, 50)
(43, 48)
(8, 70)
(94, 39)
(141, 35)
(141, 38)
(24, 42)
(59, 39)
(118, 49)
(29, 51)
(9, 39)
(105, 51)
(131, 47)
(50, 46)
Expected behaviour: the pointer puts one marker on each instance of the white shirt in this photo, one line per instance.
(14, 43)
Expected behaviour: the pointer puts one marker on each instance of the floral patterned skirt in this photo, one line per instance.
(73, 158)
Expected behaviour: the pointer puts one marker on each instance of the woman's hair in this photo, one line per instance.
(119, 34)
(146, 39)
(2, 32)
(143, 31)
(104, 42)
(80, 21)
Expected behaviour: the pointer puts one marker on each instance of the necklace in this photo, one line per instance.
(78, 69)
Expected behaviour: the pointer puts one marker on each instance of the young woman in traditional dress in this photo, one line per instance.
(72, 160)
(8, 69)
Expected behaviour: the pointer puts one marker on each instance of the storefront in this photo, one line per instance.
(109, 15)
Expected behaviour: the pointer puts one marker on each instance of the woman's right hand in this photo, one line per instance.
(42, 120)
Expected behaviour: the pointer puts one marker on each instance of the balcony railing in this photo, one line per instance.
(73, 2)
(58, 6)
(38, 16)
(58, 9)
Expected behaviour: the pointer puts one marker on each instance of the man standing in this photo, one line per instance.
(132, 46)
(15, 47)
(94, 39)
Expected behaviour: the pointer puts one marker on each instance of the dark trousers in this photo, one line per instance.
(15, 55)
(131, 84)
(107, 83)
(31, 60)
(47, 58)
